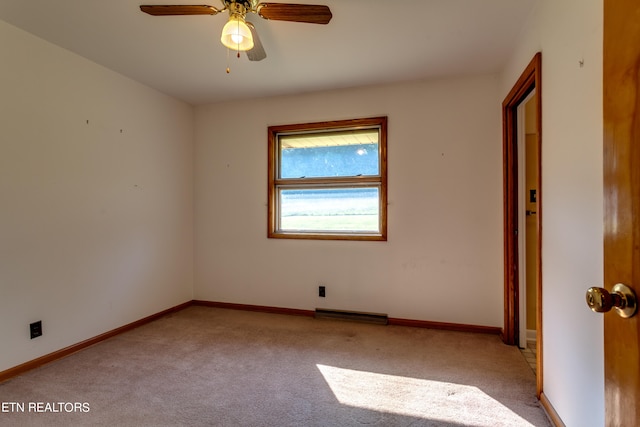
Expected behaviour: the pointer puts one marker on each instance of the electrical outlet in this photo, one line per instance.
(321, 291)
(36, 329)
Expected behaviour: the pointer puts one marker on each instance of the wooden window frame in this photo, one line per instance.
(275, 182)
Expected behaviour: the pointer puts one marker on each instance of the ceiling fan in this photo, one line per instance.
(239, 34)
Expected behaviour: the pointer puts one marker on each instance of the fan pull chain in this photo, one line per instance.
(238, 42)
(228, 68)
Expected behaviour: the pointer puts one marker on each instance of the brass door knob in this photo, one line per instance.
(621, 297)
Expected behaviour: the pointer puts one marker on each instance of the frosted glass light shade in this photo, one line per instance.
(236, 34)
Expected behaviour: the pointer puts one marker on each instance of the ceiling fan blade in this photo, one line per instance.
(257, 53)
(310, 13)
(165, 10)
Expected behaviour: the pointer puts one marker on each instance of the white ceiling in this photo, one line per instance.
(367, 42)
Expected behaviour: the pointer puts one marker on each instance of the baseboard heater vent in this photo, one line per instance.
(355, 316)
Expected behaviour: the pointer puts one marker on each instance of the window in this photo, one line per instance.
(328, 180)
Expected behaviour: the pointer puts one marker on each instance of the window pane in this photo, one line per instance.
(329, 154)
(328, 180)
(344, 209)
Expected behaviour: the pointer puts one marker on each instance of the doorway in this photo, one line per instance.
(522, 144)
(528, 166)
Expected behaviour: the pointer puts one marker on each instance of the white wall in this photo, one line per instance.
(567, 32)
(96, 219)
(443, 258)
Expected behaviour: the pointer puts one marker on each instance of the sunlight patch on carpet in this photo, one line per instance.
(433, 400)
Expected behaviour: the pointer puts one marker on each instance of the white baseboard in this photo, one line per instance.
(532, 335)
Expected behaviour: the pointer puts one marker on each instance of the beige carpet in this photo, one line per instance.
(213, 367)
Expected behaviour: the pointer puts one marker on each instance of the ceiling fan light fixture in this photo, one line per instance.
(236, 34)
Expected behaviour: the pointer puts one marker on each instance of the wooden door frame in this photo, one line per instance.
(529, 80)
